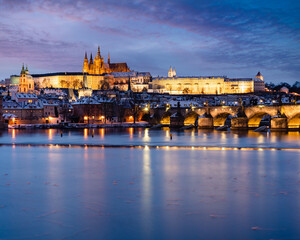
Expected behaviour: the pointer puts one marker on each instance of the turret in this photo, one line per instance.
(259, 76)
(26, 70)
(85, 64)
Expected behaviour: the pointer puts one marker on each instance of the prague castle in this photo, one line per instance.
(99, 75)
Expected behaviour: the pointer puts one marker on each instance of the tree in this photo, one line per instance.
(75, 84)
(186, 91)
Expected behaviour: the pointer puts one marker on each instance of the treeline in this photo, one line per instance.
(292, 88)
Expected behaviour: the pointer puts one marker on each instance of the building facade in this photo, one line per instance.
(205, 85)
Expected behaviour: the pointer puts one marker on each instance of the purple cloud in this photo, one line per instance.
(233, 38)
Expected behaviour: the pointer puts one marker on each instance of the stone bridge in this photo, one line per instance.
(282, 117)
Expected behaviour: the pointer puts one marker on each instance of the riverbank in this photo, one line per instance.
(80, 126)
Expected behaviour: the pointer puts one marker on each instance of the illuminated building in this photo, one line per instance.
(205, 85)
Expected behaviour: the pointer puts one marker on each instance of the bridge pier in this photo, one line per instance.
(205, 122)
(279, 124)
(239, 123)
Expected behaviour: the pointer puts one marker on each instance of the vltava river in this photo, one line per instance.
(54, 187)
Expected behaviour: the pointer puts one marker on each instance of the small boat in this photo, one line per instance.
(222, 128)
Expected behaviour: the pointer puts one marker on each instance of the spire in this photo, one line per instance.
(91, 59)
(23, 69)
(170, 72)
(174, 72)
(98, 53)
(85, 57)
(108, 59)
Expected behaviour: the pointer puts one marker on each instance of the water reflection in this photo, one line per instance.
(86, 133)
(170, 193)
(198, 137)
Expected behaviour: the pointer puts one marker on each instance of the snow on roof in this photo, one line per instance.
(131, 74)
(26, 95)
(7, 116)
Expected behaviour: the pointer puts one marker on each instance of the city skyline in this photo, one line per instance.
(217, 38)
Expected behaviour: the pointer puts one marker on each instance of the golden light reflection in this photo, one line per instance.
(147, 188)
(50, 134)
(102, 133)
(146, 135)
(85, 133)
(13, 134)
(167, 133)
(130, 132)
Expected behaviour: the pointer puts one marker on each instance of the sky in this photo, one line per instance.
(233, 38)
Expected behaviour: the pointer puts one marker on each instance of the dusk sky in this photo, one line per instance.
(234, 38)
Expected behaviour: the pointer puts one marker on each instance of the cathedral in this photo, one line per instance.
(97, 66)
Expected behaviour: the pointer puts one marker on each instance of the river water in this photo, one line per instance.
(89, 184)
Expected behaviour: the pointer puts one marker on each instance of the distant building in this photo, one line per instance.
(284, 90)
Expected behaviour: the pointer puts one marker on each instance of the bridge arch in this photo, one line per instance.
(191, 118)
(255, 120)
(220, 119)
(165, 118)
(294, 121)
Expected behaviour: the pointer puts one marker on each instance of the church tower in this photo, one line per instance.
(23, 84)
(85, 64)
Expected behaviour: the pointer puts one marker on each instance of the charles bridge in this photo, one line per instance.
(249, 117)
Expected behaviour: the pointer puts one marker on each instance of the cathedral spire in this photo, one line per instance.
(91, 59)
(85, 56)
(98, 53)
(108, 59)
